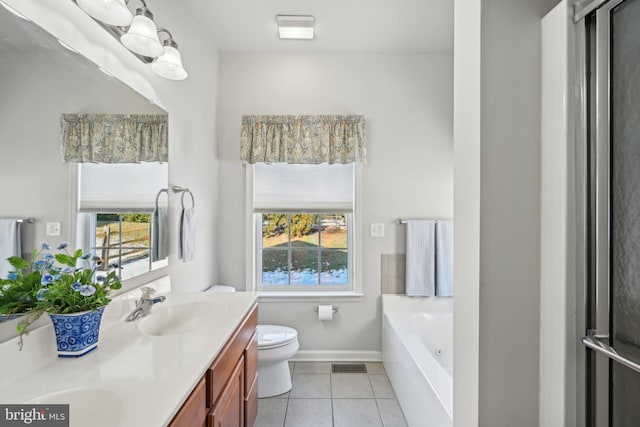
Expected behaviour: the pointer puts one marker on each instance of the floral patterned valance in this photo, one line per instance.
(115, 138)
(303, 139)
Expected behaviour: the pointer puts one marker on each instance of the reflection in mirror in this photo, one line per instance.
(40, 80)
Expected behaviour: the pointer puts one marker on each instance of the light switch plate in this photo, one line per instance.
(377, 230)
(53, 229)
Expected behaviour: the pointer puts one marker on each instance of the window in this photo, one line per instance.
(116, 222)
(304, 227)
(123, 242)
(305, 249)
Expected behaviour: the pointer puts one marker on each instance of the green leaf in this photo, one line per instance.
(17, 262)
(66, 260)
(77, 254)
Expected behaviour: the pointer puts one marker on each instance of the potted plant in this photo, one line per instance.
(74, 296)
(18, 292)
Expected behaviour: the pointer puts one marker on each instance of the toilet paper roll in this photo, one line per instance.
(325, 312)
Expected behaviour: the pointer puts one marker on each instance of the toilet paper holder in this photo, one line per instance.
(334, 309)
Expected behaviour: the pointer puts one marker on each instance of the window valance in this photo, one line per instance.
(115, 138)
(303, 139)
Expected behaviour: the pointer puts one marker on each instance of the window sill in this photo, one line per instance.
(307, 296)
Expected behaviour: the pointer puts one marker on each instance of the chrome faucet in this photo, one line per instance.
(144, 304)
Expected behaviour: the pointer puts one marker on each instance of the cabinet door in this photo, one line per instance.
(229, 409)
(194, 411)
(251, 404)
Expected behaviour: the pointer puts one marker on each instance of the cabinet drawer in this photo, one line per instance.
(222, 368)
(194, 409)
(251, 404)
(251, 362)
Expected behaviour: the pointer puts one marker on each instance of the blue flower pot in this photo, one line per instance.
(77, 333)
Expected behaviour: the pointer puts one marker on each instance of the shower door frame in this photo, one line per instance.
(593, 135)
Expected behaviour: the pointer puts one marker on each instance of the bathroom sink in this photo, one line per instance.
(176, 319)
(88, 406)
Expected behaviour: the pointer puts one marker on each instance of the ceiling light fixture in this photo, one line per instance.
(142, 36)
(112, 12)
(169, 64)
(295, 27)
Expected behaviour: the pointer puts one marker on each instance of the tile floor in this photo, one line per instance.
(319, 398)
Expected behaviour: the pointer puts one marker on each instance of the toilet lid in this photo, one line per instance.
(270, 336)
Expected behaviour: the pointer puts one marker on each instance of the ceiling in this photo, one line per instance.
(341, 25)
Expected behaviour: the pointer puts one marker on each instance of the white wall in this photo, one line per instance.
(466, 217)
(498, 58)
(407, 102)
(559, 344)
(34, 178)
(190, 103)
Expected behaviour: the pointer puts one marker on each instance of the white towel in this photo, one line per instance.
(420, 274)
(444, 258)
(10, 244)
(188, 235)
(160, 234)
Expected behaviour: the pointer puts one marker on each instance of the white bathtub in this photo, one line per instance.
(417, 351)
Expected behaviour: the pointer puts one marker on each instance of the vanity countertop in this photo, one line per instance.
(144, 379)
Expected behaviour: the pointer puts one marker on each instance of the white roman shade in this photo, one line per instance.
(121, 187)
(281, 187)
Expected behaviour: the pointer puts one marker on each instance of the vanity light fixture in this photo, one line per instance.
(139, 34)
(142, 36)
(112, 12)
(169, 64)
(298, 27)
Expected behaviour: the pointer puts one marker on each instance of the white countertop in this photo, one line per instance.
(150, 376)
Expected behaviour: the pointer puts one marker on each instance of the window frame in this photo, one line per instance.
(253, 268)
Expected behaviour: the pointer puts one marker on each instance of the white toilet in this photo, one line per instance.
(276, 345)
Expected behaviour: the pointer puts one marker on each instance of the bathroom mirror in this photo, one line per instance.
(41, 79)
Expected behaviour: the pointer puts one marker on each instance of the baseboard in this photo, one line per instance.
(337, 356)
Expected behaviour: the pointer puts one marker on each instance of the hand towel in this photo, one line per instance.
(188, 235)
(420, 267)
(160, 241)
(444, 258)
(10, 244)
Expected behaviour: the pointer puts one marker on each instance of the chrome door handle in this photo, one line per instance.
(593, 342)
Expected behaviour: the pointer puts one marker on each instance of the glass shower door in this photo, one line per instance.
(614, 329)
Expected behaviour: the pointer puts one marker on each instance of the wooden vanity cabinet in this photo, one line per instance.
(229, 408)
(227, 388)
(251, 381)
(227, 395)
(194, 410)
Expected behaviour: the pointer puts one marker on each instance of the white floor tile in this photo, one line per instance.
(351, 386)
(312, 386)
(271, 413)
(356, 413)
(309, 413)
(391, 413)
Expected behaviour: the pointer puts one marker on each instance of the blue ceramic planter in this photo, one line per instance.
(77, 333)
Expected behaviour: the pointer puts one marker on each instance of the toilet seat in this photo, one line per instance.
(274, 336)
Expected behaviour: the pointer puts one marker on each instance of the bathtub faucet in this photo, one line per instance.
(144, 304)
